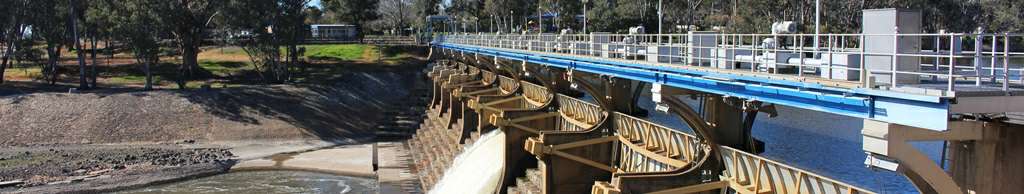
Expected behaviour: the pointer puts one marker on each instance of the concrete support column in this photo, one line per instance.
(731, 120)
(984, 156)
(993, 164)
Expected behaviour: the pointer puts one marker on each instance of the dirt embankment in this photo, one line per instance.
(93, 140)
(345, 109)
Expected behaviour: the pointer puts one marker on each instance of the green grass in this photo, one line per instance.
(25, 72)
(224, 68)
(133, 79)
(346, 52)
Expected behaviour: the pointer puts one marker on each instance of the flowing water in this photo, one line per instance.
(477, 169)
(267, 182)
(819, 142)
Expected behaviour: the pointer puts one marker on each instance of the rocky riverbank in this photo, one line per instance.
(113, 140)
(63, 168)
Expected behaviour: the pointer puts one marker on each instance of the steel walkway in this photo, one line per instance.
(918, 105)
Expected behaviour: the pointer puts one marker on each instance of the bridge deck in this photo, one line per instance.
(926, 104)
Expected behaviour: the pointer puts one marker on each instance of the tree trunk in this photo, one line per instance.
(93, 73)
(149, 75)
(189, 56)
(53, 57)
(7, 54)
(83, 83)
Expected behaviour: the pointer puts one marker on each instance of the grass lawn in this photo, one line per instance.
(227, 66)
(343, 52)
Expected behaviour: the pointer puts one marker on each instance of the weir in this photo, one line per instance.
(528, 88)
(554, 143)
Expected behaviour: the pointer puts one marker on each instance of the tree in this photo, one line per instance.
(355, 12)
(509, 13)
(421, 9)
(314, 15)
(139, 26)
(566, 12)
(12, 27)
(49, 21)
(466, 12)
(99, 25)
(602, 16)
(274, 24)
(394, 14)
(188, 21)
(75, 7)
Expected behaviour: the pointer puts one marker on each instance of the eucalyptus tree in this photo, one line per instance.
(99, 25)
(314, 15)
(602, 17)
(49, 21)
(274, 24)
(355, 12)
(566, 12)
(139, 25)
(421, 9)
(394, 14)
(187, 21)
(13, 18)
(75, 10)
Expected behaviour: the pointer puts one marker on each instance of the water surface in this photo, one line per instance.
(267, 182)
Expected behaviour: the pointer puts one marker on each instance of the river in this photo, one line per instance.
(823, 143)
(266, 182)
(820, 142)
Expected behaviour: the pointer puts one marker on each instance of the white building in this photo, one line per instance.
(333, 31)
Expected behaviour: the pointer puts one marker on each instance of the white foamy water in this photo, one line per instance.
(477, 169)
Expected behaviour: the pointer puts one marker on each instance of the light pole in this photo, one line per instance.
(540, 17)
(659, 18)
(585, 16)
(817, 24)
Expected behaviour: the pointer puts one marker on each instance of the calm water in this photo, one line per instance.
(819, 142)
(268, 182)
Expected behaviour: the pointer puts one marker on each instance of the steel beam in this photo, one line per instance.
(929, 112)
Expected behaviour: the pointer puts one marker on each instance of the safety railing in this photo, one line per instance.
(390, 40)
(943, 62)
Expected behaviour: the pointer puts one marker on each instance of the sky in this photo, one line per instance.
(314, 3)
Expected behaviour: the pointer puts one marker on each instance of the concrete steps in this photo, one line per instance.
(529, 184)
(436, 144)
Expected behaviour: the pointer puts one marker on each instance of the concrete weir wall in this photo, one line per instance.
(477, 169)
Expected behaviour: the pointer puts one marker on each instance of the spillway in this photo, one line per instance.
(477, 169)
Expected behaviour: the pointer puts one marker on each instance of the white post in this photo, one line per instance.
(659, 18)
(1006, 60)
(585, 16)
